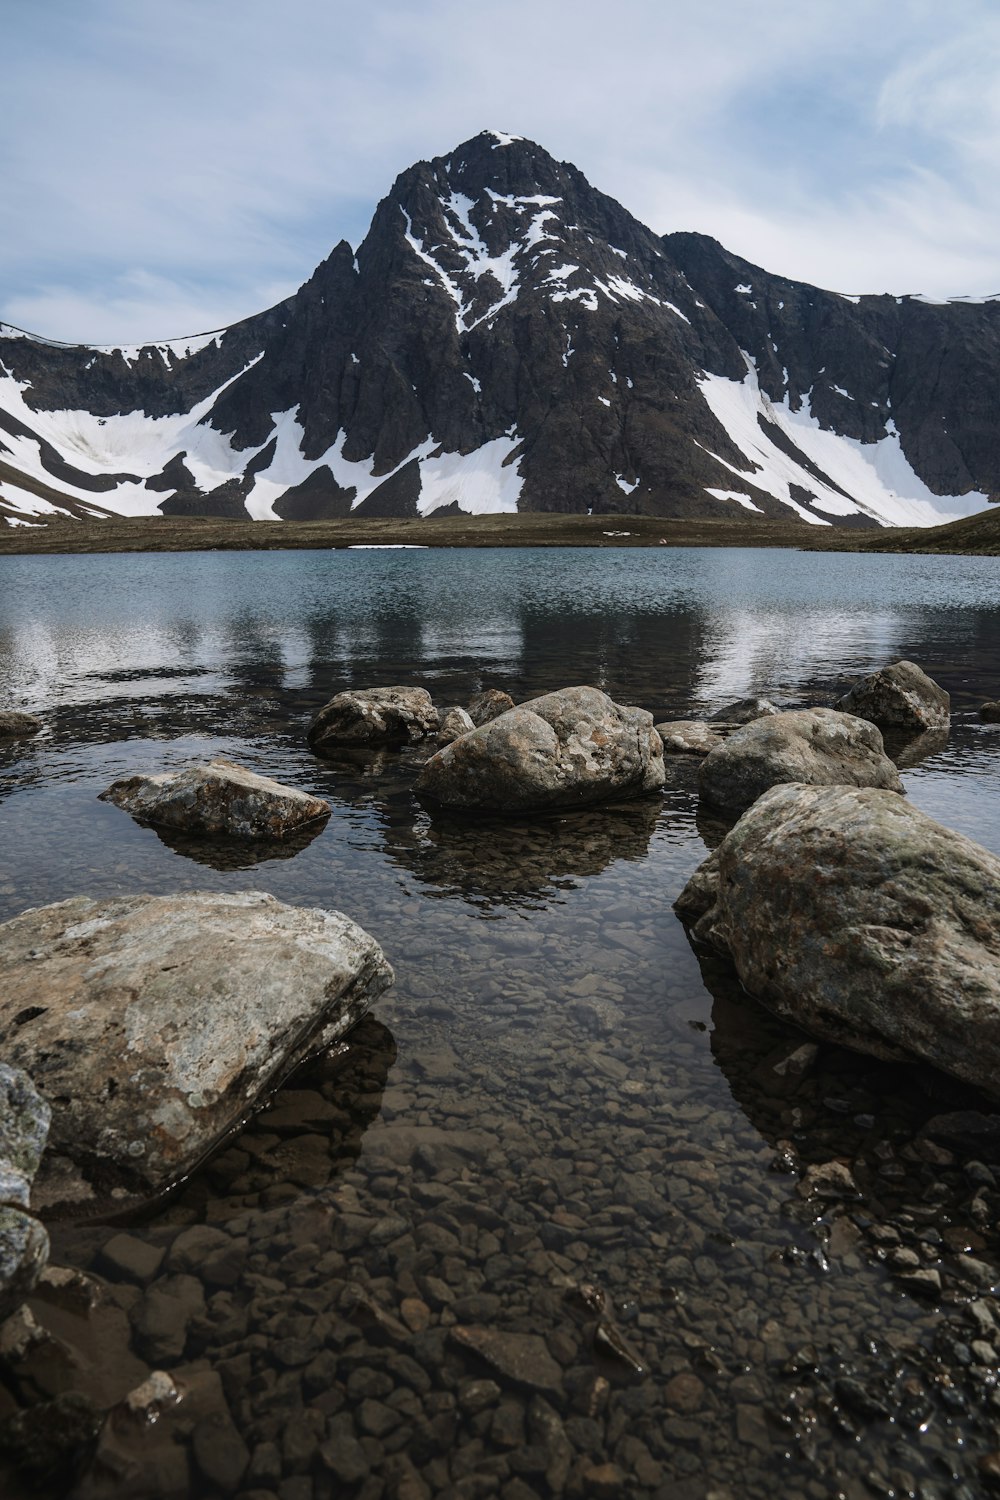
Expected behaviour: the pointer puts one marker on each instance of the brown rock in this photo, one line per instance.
(218, 798)
(373, 716)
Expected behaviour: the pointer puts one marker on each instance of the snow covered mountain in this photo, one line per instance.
(509, 338)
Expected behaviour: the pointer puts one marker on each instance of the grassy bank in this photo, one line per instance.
(976, 534)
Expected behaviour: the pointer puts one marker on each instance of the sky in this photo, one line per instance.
(170, 166)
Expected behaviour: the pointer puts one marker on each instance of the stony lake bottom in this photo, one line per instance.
(559, 1091)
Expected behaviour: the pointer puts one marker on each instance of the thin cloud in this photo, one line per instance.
(186, 161)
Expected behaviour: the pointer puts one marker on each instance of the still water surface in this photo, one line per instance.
(556, 1090)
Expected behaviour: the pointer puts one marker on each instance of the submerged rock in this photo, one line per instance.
(154, 1024)
(857, 917)
(818, 746)
(454, 723)
(900, 698)
(218, 798)
(566, 749)
(488, 705)
(18, 726)
(687, 737)
(373, 716)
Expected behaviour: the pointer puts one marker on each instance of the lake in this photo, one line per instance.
(558, 1090)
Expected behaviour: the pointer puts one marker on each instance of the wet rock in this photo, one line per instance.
(126, 1257)
(24, 1243)
(219, 1452)
(50, 1442)
(968, 1129)
(990, 712)
(153, 1024)
(522, 1359)
(743, 711)
(24, 1126)
(566, 749)
(18, 726)
(373, 716)
(454, 723)
(816, 746)
(489, 704)
(218, 798)
(900, 698)
(687, 737)
(829, 1179)
(851, 913)
(162, 1318)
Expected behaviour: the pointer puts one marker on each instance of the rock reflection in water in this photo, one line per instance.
(511, 861)
(221, 853)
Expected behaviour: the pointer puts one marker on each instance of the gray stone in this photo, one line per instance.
(522, 1359)
(990, 712)
(24, 1126)
(744, 711)
(454, 723)
(24, 1250)
(566, 749)
(856, 916)
(900, 698)
(373, 716)
(154, 1024)
(218, 798)
(488, 705)
(18, 726)
(687, 737)
(818, 746)
(24, 1244)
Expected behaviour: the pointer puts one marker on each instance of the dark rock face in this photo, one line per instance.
(509, 337)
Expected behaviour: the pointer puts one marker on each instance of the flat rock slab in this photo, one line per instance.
(900, 699)
(154, 1024)
(218, 798)
(817, 746)
(743, 711)
(521, 1359)
(373, 716)
(688, 737)
(854, 915)
(18, 726)
(566, 749)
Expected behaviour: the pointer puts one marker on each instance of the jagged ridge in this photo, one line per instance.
(507, 337)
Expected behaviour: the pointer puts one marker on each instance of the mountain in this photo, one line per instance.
(507, 337)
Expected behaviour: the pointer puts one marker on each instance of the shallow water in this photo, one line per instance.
(556, 1091)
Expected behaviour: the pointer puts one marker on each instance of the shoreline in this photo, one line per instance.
(979, 534)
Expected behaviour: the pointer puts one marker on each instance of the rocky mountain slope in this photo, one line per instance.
(509, 338)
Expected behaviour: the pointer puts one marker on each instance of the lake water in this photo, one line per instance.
(557, 1091)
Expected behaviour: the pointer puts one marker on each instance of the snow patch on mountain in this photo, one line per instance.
(484, 481)
(877, 476)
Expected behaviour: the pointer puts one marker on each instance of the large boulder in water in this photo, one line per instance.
(857, 917)
(154, 1024)
(900, 699)
(373, 716)
(218, 798)
(565, 749)
(24, 1244)
(814, 745)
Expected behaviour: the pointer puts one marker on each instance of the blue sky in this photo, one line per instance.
(168, 166)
